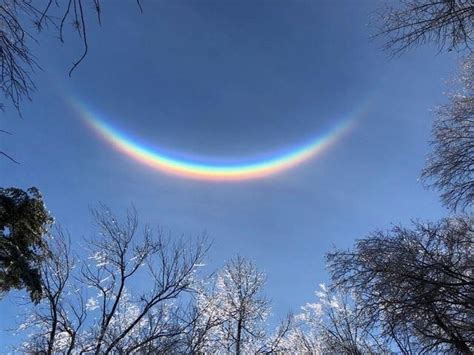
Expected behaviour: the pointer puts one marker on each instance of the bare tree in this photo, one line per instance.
(109, 312)
(415, 284)
(244, 309)
(236, 309)
(57, 319)
(334, 325)
(450, 167)
(90, 306)
(450, 25)
(220, 307)
(20, 21)
(409, 23)
(276, 342)
(343, 327)
(203, 320)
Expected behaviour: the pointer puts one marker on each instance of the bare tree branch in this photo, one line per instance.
(450, 167)
(415, 283)
(409, 23)
(17, 63)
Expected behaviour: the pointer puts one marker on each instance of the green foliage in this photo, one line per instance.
(24, 222)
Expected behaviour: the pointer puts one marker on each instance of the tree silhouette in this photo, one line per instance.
(238, 307)
(415, 283)
(408, 23)
(93, 304)
(450, 167)
(20, 22)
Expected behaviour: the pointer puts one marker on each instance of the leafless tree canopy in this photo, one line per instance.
(334, 325)
(20, 22)
(228, 315)
(450, 167)
(140, 292)
(94, 305)
(240, 308)
(416, 284)
(408, 23)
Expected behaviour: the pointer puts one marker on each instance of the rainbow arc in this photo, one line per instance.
(201, 168)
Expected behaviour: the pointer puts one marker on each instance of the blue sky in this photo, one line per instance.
(231, 78)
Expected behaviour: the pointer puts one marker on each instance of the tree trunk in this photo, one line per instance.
(238, 337)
